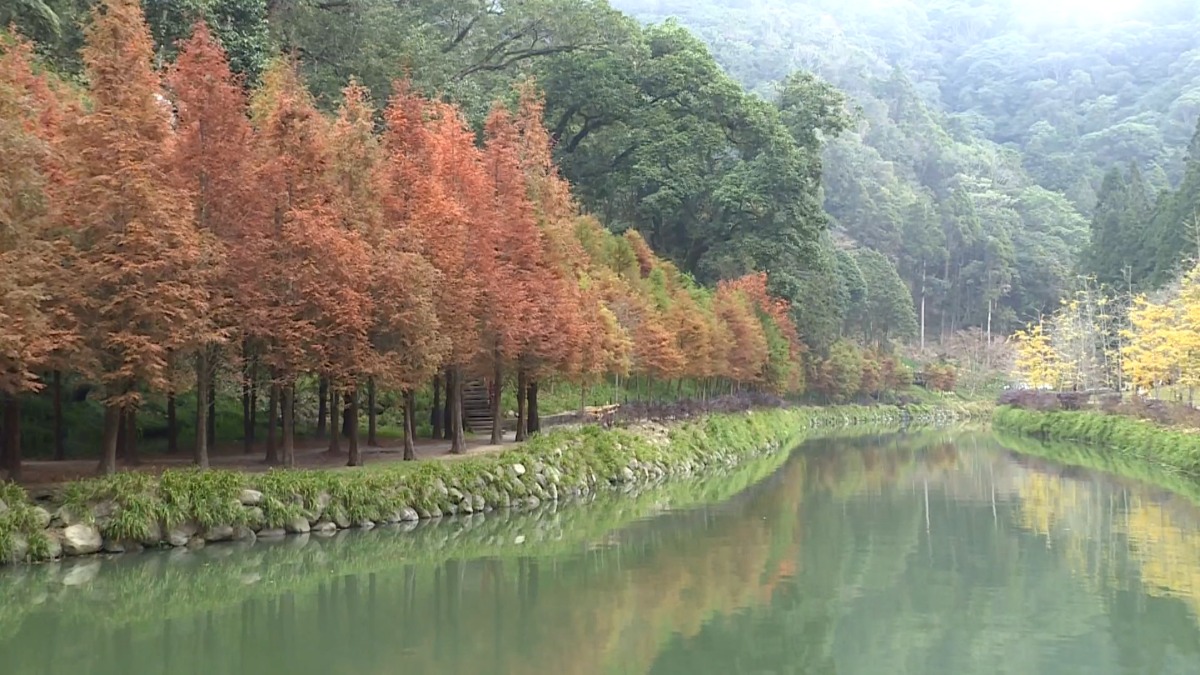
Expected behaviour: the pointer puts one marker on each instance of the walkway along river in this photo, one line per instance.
(924, 552)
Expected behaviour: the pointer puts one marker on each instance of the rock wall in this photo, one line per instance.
(191, 509)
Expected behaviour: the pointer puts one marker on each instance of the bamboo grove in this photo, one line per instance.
(159, 227)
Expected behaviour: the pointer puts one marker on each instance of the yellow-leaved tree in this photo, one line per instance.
(1151, 352)
(1038, 363)
(1185, 338)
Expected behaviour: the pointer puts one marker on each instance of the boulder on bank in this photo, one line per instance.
(41, 518)
(250, 497)
(297, 525)
(218, 533)
(181, 533)
(80, 539)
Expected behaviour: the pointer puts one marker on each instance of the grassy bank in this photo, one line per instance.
(1122, 445)
(1127, 466)
(190, 508)
(158, 587)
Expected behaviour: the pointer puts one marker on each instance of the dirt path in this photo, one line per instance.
(310, 454)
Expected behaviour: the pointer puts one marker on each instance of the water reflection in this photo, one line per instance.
(924, 552)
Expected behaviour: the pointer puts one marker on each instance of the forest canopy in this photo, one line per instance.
(766, 194)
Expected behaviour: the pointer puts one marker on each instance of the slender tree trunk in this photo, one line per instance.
(372, 415)
(521, 420)
(498, 375)
(410, 423)
(211, 437)
(272, 422)
(200, 451)
(108, 451)
(346, 421)
(288, 403)
(172, 425)
(246, 425)
(582, 400)
(122, 429)
(352, 411)
(10, 442)
(922, 306)
(130, 450)
(435, 413)
(534, 422)
(454, 400)
(335, 436)
(322, 406)
(448, 407)
(253, 404)
(60, 436)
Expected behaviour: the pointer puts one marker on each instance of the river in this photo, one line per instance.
(926, 552)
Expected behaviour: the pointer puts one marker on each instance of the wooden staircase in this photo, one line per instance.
(477, 409)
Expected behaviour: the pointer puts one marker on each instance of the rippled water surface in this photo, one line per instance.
(926, 553)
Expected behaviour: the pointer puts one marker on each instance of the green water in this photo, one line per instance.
(931, 552)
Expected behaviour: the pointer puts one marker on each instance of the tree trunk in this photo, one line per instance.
(435, 413)
(60, 435)
(410, 423)
(352, 412)
(130, 449)
(172, 425)
(520, 404)
(346, 421)
(253, 404)
(335, 437)
(10, 442)
(211, 437)
(246, 426)
(534, 422)
(448, 407)
(121, 430)
(272, 421)
(922, 306)
(372, 415)
(454, 401)
(322, 406)
(108, 448)
(288, 403)
(200, 451)
(494, 403)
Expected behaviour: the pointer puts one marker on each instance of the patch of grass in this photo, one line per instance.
(1123, 437)
(17, 519)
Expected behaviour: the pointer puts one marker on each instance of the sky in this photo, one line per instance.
(1084, 11)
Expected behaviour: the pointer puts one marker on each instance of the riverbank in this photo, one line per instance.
(191, 509)
(1129, 447)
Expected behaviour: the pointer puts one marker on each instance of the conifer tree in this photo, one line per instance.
(28, 265)
(210, 162)
(137, 291)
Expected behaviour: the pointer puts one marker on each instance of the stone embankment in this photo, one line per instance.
(191, 509)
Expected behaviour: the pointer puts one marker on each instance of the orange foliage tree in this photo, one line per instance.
(437, 183)
(316, 312)
(210, 163)
(31, 329)
(512, 265)
(158, 225)
(405, 344)
(138, 292)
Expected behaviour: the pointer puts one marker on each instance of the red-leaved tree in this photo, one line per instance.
(138, 292)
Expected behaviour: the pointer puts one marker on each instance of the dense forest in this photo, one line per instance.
(983, 133)
(302, 202)
(172, 229)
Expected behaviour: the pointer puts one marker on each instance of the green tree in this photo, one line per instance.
(886, 312)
